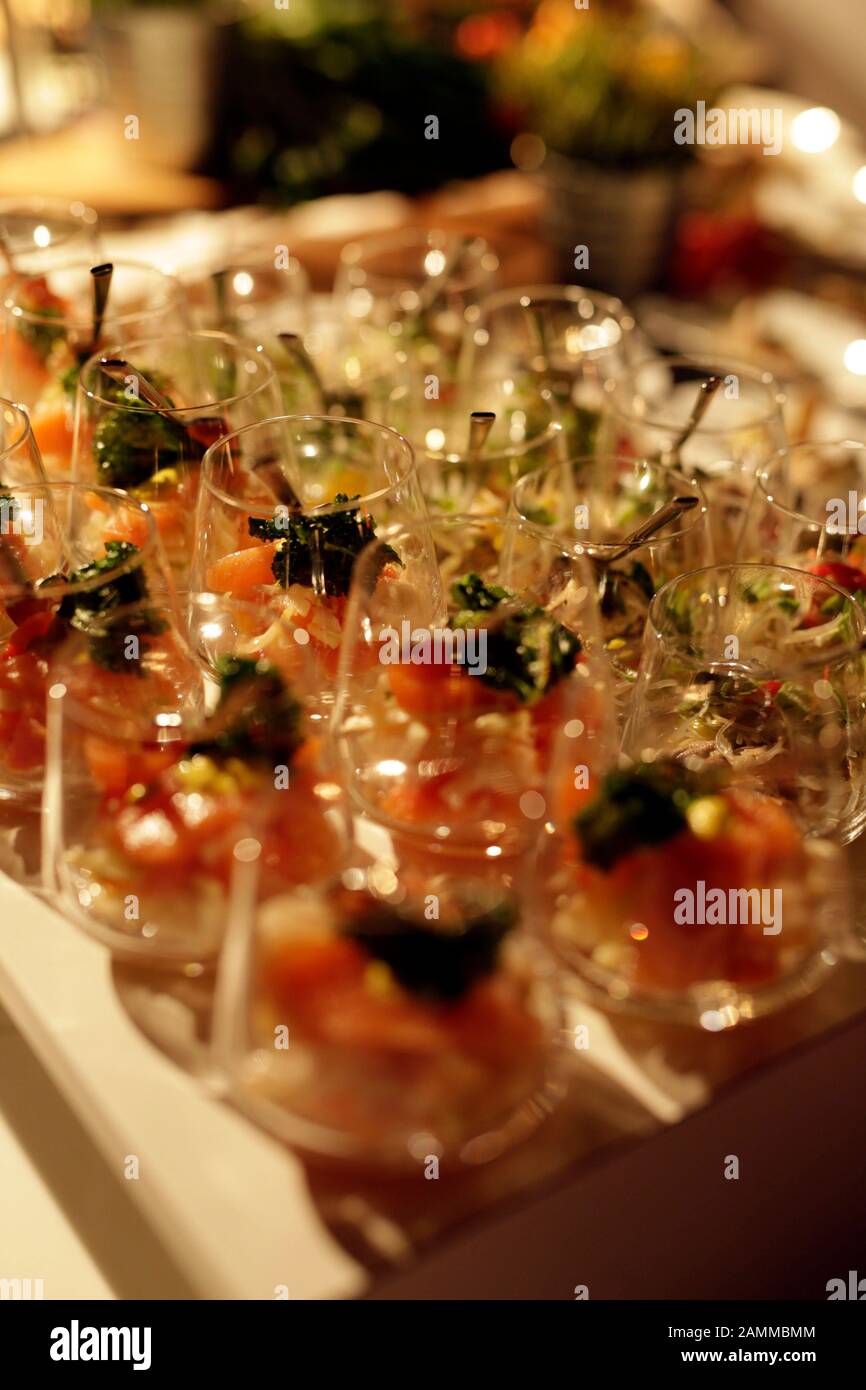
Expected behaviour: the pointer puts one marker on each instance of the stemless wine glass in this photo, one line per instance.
(649, 409)
(592, 505)
(149, 807)
(461, 475)
(563, 338)
(757, 670)
(681, 898)
(51, 327)
(211, 384)
(412, 1039)
(334, 368)
(20, 460)
(68, 555)
(256, 299)
(285, 507)
(806, 511)
(412, 288)
(38, 232)
(468, 643)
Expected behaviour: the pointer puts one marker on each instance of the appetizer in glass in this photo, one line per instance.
(639, 524)
(716, 421)
(69, 555)
(359, 1027)
(468, 645)
(758, 670)
(149, 811)
(806, 510)
(54, 321)
(148, 411)
(563, 339)
(284, 511)
(412, 289)
(685, 898)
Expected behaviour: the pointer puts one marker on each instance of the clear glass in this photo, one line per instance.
(284, 509)
(69, 555)
(563, 339)
(149, 812)
(526, 433)
(414, 287)
(49, 334)
(806, 510)
(468, 646)
(592, 505)
(38, 232)
(251, 299)
(20, 459)
(678, 897)
(346, 370)
(215, 383)
(357, 1029)
(758, 671)
(648, 407)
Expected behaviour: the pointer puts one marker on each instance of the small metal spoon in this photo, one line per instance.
(101, 277)
(481, 422)
(706, 392)
(669, 512)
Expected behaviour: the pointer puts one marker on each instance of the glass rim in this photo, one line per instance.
(589, 547)
(73, 488)
(192, 336)
(851, 647)
(257, 509)
(354, 252)
(511, 298)
(22, 417)
(777, 459)
(173, 295)
(56, 209)
(763, 379)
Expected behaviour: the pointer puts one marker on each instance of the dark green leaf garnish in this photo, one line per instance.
(319, 552)
(528, 651)
(91, 612)
(641, 806)
(437, 961)
(131, 445)
(257, 716)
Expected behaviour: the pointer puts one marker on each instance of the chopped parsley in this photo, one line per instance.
(257, 716)
(528, 651)
(438, 961)
(635, 808)
(319, 552)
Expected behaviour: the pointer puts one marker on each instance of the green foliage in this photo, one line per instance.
(130, 445)
(319, 552)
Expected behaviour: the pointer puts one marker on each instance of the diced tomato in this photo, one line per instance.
(30, 631)
(243, 570)
(115, 766)
(52, 425)
(128, 525)
(846, 576)
(444, 689)
(313, 964)
(25, 748)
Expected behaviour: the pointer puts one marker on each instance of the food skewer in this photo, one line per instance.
(101, 276)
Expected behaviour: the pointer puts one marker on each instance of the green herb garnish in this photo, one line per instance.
(319, 552)
(130, 445)
(437, 961)
(528, 651)
(257, 715)
(638, 807)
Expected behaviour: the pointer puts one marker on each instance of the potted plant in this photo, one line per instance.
(600, 87)
(160, 59)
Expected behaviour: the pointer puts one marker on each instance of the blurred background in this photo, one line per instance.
(544, 127)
